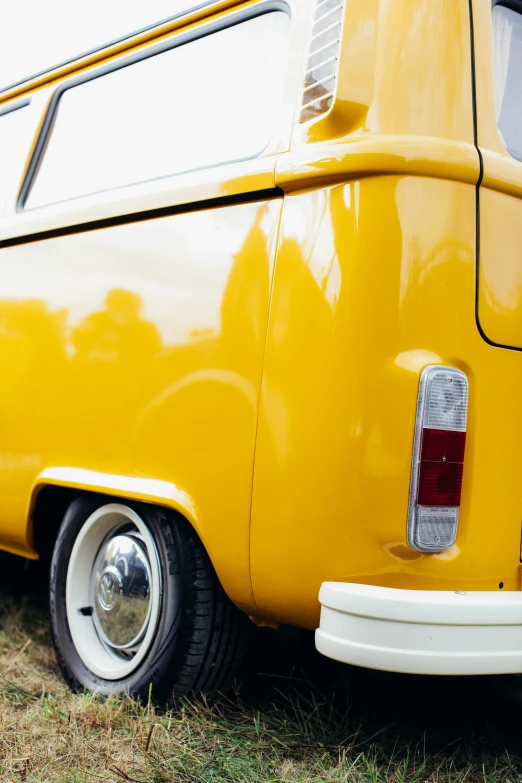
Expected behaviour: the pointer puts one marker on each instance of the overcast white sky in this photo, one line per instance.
(36, 34)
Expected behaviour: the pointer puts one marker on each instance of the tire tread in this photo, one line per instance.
(212, 643)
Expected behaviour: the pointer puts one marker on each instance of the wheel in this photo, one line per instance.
(136, 606)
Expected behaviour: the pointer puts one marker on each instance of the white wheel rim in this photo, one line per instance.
(117, 661)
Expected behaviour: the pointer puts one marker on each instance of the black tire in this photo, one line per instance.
(200, 638)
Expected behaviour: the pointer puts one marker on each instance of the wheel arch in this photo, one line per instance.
(55, 488)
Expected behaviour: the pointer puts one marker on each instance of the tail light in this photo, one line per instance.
(438, 459)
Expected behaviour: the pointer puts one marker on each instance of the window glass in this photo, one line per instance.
(36, 35)
(13, 127)
(507, 37)
(209, 101)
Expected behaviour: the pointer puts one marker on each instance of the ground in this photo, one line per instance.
(295, 716)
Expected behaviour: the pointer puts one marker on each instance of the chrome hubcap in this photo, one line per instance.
(109, 589)
(121, 582)
(113, 591)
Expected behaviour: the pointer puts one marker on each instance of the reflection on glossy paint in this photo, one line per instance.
(415, 262)
(324, 262)
(145, 343)
(106, 258)
(143, 488)
(449, 554)
(153, 411)
(422, 47)
(416, 360)
(117, 333)
(401, 551)
(278, 421)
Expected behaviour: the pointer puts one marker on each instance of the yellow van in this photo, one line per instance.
(260, 339)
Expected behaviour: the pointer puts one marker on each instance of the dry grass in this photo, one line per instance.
(322, 722)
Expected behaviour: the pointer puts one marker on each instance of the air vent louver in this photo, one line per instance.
(321, 68)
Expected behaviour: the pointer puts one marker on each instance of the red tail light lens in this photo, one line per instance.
(442, 445)
(440, 483)
(441, 467)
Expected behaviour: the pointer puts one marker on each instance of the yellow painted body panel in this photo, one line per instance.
(500, 255)
(500, 278)
(256, 365)
(356, 314)
(137, 350)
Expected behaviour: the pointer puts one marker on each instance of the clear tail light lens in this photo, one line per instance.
(438, 459)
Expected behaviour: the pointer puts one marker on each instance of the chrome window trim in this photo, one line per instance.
(14, 106)
(95, 50)
(214, 26)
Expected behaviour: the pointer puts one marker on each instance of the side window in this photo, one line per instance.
(211, 100)
(12, 123)
(507, 48)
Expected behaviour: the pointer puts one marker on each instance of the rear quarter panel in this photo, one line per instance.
(374, 281)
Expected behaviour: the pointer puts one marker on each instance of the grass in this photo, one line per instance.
(295, 717)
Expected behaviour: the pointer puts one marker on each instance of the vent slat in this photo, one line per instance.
(323, 6)
(318, 83)
(320, 20)
(333, 46)
(315, 100)
(329, 29)
(322, 62)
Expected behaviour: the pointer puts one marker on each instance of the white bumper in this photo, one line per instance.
(421, 631)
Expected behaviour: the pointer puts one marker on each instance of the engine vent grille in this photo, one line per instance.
(321, 67)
